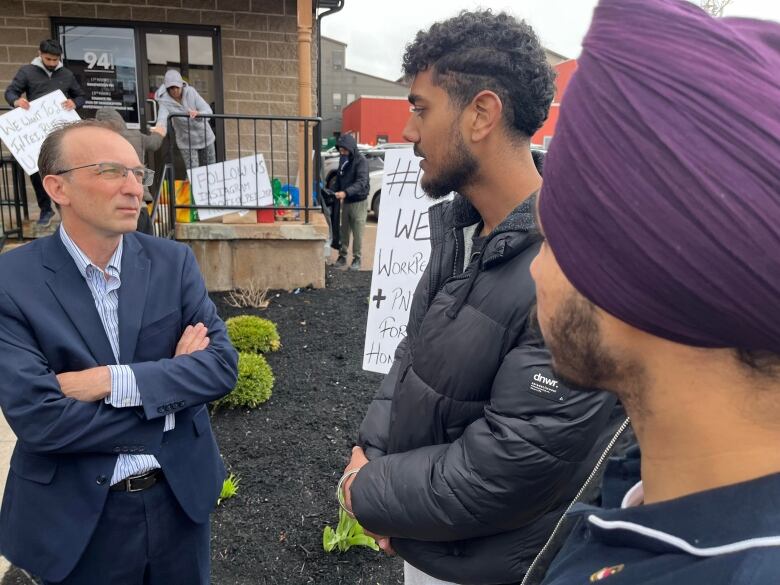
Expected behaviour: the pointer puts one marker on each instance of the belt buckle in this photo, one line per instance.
(129, 482)
(129, 485)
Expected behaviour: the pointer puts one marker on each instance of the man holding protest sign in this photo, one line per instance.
(44, 75)
(476, 447)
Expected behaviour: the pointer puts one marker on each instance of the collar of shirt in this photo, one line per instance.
(84, 264)
(710, 523)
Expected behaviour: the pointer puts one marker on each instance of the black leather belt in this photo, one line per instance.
(138, 483)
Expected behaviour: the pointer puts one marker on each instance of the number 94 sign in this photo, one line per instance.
(104, 60)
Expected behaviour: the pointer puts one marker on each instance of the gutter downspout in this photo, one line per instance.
(318, 129)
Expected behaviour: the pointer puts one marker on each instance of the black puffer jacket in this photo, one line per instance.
(353, 179)
(476, 447)
(35, 81)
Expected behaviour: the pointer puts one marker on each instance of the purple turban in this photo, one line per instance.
(661, 195)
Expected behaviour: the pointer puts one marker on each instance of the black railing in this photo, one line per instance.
(160, 214)
(13, 197)
(275, 137)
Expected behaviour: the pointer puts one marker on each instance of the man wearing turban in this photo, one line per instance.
(660, 281)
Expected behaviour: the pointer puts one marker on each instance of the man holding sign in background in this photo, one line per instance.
(476, 447)
(44, 75)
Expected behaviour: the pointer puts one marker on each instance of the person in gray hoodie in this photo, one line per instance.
(44, 75)
(194, 137)
(142, 143)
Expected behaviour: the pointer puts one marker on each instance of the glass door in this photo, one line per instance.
(103, 59)
(191, 53)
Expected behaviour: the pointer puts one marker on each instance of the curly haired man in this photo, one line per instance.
(473, 448)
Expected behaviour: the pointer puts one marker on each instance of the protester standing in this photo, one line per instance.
(44, 75)
(194, 136)
(476, 445)
(351, 189)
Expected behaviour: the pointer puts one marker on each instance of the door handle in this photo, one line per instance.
(153, 103)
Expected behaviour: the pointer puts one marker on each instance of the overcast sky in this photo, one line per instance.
(376, 31)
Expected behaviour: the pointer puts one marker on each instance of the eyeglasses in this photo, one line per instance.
(115, 171)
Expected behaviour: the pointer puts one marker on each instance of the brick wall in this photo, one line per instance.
(259, 50)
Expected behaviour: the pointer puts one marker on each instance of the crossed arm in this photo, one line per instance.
(95, 383)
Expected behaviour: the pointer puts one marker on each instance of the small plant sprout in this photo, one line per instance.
(348, 533)
(229, 488)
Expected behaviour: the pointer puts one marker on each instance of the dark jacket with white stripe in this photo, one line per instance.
(476, 447)
(725, 536)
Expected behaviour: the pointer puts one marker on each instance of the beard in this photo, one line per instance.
(580, 356)
(460, 169)
(50, 68)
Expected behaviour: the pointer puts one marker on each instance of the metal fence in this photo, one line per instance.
(13, 197)
(235, 180)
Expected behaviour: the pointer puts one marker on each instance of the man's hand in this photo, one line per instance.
(159, 130)
(193, 339)
(193, 113)
(357, 461)
(22, 103)
(341, 195)
(68, 105)
(87, 385)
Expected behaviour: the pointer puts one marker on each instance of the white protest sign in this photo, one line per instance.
(23, 131)
(243, 182)
(401, 255)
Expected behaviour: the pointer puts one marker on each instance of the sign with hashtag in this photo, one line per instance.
(400, 257)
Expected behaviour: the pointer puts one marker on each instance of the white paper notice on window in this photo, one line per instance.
(242, 181)
(402, 250)
(23, 131)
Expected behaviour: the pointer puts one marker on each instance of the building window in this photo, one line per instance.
(337, 102)
(338, 61)
(350, 98)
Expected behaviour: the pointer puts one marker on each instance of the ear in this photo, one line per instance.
(55, 187)
(486, 109)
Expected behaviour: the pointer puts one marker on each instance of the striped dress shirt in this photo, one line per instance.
(104, 287)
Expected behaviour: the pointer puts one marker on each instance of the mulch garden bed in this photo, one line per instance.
(290, 452)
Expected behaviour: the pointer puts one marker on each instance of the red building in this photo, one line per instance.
(376, 120)
(564, 70)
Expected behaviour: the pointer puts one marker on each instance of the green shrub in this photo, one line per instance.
(253, 334)
(254, 385)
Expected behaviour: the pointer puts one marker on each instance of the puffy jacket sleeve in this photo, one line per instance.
(17, 87)
(162, 114)
(506, 469)
(359, 187)
(75, 92)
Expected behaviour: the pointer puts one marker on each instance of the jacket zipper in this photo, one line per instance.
(585, 485)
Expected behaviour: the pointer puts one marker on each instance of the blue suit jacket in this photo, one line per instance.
(66, 450)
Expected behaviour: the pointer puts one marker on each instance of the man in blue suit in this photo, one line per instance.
(110, 349)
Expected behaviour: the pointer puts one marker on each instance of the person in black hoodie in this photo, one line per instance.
(473, 447)
(352, 190)
(44, 75)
